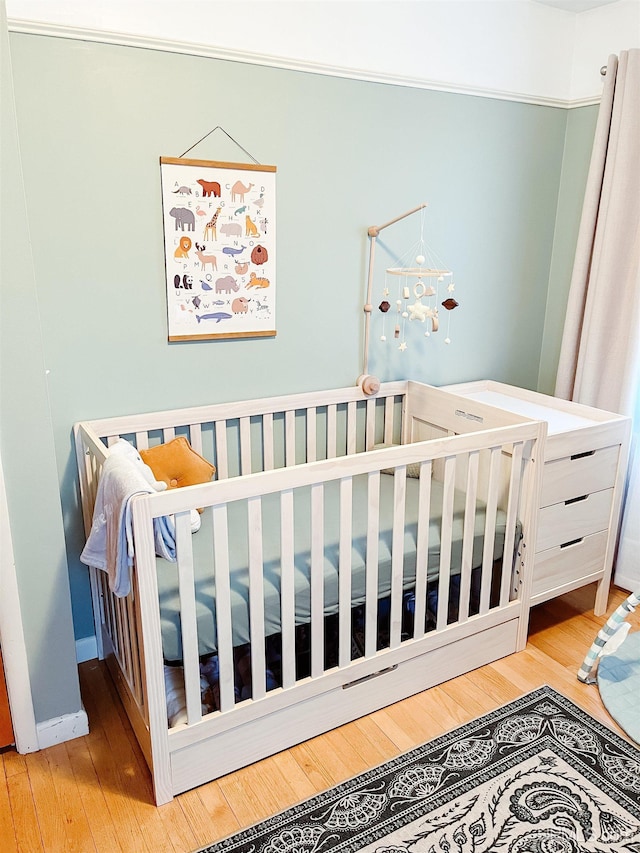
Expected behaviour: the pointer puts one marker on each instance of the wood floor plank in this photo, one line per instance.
(116, 796)
(468, 694)
(316, 772)
(48, 801)
(76, 825)
(7, 833)
(210, 815)
(322, 761)
(496, 685)
(417, 716)
(348, 743)
(247, 807)
(445, 712)
(372, 743)
(217, 811)
(271, 786)
(90, 791)
(297, 779)
(180, 835)
(13, 763)
(393, 729)
(25, 819)
(178, 828)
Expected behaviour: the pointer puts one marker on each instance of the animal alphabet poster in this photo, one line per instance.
(220, 250)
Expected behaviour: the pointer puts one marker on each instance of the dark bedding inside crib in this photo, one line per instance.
(238, 558)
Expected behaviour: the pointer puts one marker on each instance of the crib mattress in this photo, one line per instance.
(238, 558)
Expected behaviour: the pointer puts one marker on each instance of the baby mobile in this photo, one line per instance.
(412, 292)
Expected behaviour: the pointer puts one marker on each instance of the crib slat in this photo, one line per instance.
(490, 527)
(195, 437)
(468, 535)
(290, 438)
(317, 580)
(142, 440)
(256, 598)
(223, 606)
(397, 554)
(168, 434)
(311, 434)
(370, 425)
(186, 589)
(98, 609)
(134, 620)
(125, 635)
(422, 549)
(222, 458)
(344, 570)
(332, 430)
(448, 492)
(515, 483)
(373, 548)
(287, 589)
(107, 603)
(121, 644)
(117, 629)
(352, 431)
(267, 442)
(245, 446)
(388, 420)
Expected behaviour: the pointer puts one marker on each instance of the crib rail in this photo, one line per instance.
(261, 435)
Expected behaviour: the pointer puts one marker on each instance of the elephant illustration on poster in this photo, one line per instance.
(183, 216)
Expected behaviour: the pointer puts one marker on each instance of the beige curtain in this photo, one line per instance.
(600, 355)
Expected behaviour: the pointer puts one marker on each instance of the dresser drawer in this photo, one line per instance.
(564, 522)
(581, 474)
(567, 565)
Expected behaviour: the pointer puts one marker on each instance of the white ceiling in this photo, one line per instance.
(576, 5)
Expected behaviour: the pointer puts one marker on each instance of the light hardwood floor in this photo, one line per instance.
(94, 793)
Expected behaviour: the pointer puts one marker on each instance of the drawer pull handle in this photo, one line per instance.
(582, 455)
(572, 542)
(576, 500)
(369, 677)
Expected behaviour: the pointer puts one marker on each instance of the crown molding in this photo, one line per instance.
(38, 28)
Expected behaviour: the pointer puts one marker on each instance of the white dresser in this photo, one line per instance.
(582, 484)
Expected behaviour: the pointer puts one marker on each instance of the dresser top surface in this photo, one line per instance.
(562, 416)
(558, 421)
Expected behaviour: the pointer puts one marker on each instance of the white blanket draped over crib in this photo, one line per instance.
(109, 546)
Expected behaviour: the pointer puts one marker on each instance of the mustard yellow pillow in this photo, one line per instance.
(177, 464)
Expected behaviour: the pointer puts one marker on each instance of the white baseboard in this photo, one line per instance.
(86, 649)
(60, 729)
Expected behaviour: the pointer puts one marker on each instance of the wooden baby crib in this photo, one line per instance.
(377, 543)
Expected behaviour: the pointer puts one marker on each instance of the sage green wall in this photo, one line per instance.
(26, 442)
(581, 125)
(93, 121)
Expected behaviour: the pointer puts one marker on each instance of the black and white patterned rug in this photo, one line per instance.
(538, 775)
